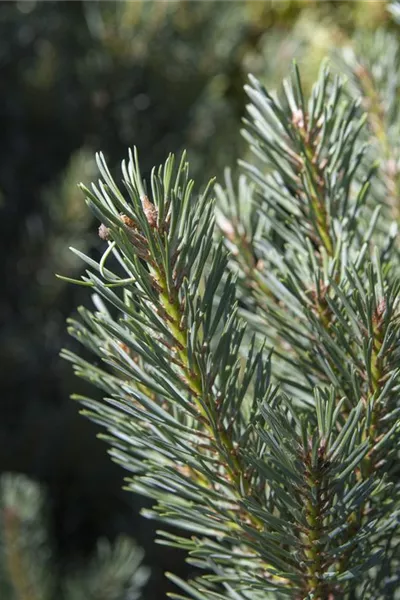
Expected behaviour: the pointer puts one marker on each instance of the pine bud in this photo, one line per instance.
(104, 232)
(379, 312)
(150, 211)
(226, 227)
(128, 221)
(298, 119)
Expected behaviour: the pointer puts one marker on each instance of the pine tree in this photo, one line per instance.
(250, 368)
(28, 566)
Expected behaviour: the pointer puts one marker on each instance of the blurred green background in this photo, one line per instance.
(78, 77)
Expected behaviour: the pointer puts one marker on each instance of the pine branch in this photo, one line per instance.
(372, 66)
(24, 564)
(181, 349)
(28, 566)
(330, 307)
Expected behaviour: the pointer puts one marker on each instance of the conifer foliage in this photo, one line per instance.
(29, 569)
(250, 369)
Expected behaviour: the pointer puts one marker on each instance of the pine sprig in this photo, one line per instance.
(29, 569)
(372, 66)
(175, 366)
(298, 268)
(328, 303)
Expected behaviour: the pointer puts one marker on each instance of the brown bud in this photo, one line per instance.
(381, 307)
(380, 311)
(298, 119)
(150, 211)
(391, 168)
(127, 221)
(260, 265)
(184, 470)
(104, 232)
(226, 227)
(124, 347)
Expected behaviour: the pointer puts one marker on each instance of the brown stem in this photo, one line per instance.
(369, 463)
(314, 501)
(204, 401)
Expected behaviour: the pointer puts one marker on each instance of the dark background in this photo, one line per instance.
(80, 77)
